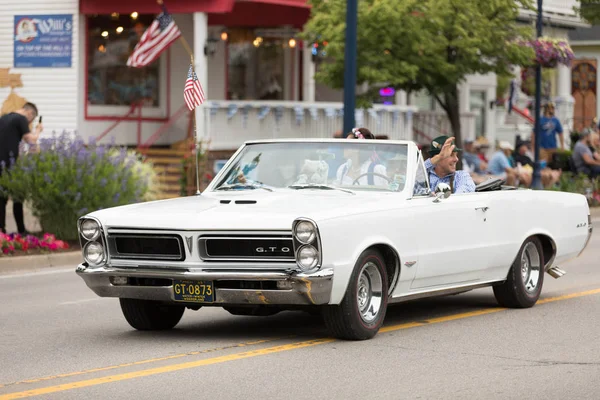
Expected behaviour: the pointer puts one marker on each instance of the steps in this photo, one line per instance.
(168, 165)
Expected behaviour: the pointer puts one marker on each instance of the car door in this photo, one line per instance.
(453, 235)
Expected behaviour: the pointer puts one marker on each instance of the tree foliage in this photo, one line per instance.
(429, 45)
(589, 10)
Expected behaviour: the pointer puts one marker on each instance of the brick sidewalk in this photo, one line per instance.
(31, 222)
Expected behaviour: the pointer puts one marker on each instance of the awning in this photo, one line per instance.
(190, 6)
(264, 13)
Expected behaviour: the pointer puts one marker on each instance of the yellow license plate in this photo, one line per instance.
(194, 291)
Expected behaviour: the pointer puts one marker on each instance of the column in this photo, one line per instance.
(201, 67)
(401, 98)
(308, 74)
(564, 101)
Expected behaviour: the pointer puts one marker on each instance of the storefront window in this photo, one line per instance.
(111, 40)
(256, 66)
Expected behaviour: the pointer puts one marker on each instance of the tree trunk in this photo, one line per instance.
(452, 110)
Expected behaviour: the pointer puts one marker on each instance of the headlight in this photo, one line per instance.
(93, 253)
(305, 232)
(308, 257)
(90, 229)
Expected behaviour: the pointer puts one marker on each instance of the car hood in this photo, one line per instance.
(242, 210)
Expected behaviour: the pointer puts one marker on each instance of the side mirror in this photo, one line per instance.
(442, 191)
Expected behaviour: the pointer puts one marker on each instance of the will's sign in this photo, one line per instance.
(43, 40)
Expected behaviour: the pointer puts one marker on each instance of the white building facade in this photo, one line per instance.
(258, 77)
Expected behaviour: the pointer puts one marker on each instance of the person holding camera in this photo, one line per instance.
(14, 127)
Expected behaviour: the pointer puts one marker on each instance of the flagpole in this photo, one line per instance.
(186, 45)
(195, 137)
(196, 146)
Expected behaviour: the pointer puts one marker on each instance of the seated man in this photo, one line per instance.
(583, 158)
(501, 166)
(441, 166)
(525, 165)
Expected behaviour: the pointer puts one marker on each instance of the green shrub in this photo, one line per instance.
(66, 179)
(579, 183)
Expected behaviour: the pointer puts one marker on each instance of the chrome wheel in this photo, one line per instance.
(369, 292)
(530, 267)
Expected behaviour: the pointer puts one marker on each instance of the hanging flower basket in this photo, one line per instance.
(550, 52)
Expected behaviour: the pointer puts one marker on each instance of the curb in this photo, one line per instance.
(35, 263)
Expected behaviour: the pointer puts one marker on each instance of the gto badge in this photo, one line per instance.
(272, 249)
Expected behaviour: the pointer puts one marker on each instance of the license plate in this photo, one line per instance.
(194, 291)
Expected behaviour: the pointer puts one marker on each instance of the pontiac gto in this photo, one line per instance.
(337, 227)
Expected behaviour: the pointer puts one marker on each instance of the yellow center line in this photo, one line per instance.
(152, 360)
(262, 352)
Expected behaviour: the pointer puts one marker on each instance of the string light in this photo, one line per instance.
(105, 34)
(119, 29)
(224, 36)
(292, 42)
(134, 15)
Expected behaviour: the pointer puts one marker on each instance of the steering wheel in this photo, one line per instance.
(371, 173)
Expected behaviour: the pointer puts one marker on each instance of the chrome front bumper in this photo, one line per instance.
(296, 288)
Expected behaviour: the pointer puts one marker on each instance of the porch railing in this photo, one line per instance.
(430, 124)
(230, 123)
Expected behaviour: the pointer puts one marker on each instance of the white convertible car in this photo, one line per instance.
(337, 227)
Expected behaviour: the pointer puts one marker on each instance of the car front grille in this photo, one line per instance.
(246, 248)
(146, 246)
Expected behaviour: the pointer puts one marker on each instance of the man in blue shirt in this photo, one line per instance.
(441, 166)
(550, 128)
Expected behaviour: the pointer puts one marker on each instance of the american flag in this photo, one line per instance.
(160, 34)
(192, 92)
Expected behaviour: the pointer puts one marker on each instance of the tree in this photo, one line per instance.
(427, 45)
(589, 10)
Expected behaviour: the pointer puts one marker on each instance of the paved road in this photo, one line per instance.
(59, 341)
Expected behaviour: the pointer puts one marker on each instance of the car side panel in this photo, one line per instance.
(344, 239)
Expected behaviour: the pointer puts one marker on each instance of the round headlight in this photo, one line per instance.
(90, 229)
(308, 257)
(305, 232)
(93, 253)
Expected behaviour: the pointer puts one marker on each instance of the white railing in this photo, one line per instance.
(229, 123)
(430, 124)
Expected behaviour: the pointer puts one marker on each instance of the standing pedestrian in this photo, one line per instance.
(550, 128)
(14, 127)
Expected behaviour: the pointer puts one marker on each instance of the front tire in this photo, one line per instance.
(523, 285)
(362, 311)
(146, 315)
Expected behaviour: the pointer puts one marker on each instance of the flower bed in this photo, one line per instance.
(14, 244)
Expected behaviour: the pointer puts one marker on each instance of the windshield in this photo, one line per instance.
(344, 164)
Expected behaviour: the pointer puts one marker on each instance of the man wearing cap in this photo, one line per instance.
(441, 166)
(583, 158)
(500, 164)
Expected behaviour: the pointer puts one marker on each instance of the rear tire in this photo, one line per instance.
(362, 311)
(146, 315)
(523, 285)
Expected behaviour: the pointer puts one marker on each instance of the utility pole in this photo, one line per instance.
(350, 65)
(536, 183)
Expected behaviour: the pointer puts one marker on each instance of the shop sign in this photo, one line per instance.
(43, 41)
